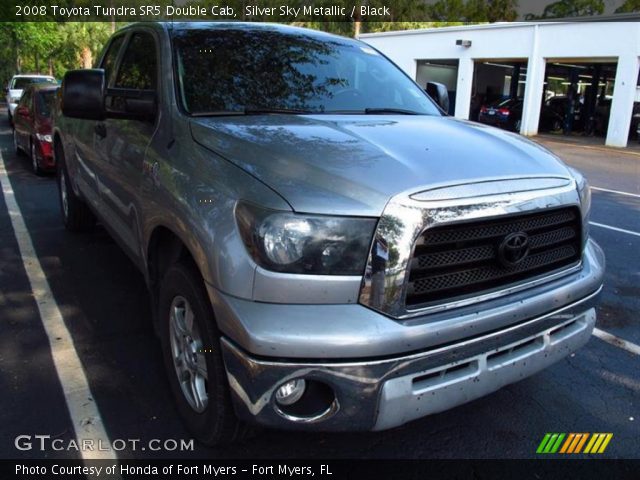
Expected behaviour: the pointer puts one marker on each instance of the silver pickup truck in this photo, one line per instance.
(324, 248)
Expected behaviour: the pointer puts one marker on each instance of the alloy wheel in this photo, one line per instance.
(188, 354)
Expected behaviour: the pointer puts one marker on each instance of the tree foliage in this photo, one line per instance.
(629, 6)
(49, 47)
(570, 8)
(474, 11)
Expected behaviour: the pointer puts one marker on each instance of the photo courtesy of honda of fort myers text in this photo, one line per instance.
(319, 239)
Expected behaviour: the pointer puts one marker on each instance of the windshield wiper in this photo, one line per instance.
(292, 111)
(402, 111)
(218, 113)
(251, 111)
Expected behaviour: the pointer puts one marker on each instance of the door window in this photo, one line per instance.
(109, 60)
(138, 69)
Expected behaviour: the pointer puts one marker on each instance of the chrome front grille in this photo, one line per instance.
(454, 261)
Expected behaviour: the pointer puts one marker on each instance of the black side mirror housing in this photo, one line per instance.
(83, 94)
(438, 92)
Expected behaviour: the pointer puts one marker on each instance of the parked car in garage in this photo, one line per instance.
(507, 114)
(32, 126)
(324, 248)
(16, 86)
(555, 111)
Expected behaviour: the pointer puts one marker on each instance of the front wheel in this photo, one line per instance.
(192, 357)
(76, 214)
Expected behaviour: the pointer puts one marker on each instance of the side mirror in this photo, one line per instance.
(438, 92)
(83, 94)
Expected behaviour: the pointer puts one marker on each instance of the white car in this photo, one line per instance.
(17, 85)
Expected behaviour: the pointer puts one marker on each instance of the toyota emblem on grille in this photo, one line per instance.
(513, 249)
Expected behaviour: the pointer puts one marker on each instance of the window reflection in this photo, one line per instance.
(236, 68)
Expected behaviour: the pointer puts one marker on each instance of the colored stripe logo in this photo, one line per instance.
(574, 443)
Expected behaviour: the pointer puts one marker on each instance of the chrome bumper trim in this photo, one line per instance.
(373, 394)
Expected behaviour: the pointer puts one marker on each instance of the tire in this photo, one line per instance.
(193, 360)
(76, 215)
(34, 159)
(16, 146)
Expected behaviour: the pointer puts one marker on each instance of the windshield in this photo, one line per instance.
(20, 83)
(238, 70)
(45, 101)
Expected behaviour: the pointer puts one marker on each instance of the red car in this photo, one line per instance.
(32, 126)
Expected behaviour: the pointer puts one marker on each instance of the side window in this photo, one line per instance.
(138, 69)
(109, 60)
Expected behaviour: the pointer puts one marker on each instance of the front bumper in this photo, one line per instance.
(382, 394)
(389, 389)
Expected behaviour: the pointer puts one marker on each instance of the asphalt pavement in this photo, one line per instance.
(105, 306)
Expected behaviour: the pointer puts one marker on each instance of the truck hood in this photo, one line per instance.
(353, 164)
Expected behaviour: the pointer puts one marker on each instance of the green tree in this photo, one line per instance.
(474, 11)
(629, 6)
(570, 8)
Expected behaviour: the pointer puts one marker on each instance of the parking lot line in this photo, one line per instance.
(81, 404)
(619, 192)
(617, 341)
(615, 229)
(603, 148)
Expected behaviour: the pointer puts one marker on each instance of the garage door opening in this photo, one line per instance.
(577, 97)
(441, 71)
(498, 92)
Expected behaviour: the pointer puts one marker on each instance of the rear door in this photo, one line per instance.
(121, 143)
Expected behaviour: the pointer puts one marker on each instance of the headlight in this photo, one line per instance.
(299, 243)
(583, 190)
(585, 201)
(44, 138)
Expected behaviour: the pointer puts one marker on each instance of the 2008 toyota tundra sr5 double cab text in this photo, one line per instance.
(324, 248)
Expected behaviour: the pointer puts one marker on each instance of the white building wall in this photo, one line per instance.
(577, 41)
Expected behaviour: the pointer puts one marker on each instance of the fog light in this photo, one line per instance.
(290, 392)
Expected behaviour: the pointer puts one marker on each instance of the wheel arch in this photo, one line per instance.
(164, 247)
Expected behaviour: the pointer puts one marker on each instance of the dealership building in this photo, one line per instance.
(582, 74)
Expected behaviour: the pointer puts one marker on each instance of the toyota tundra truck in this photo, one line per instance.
(325, 249)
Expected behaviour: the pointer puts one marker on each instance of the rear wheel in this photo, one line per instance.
(192, 357)
(34, 159)
(76, 214)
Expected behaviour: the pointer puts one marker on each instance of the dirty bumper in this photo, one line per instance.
(385, 393)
